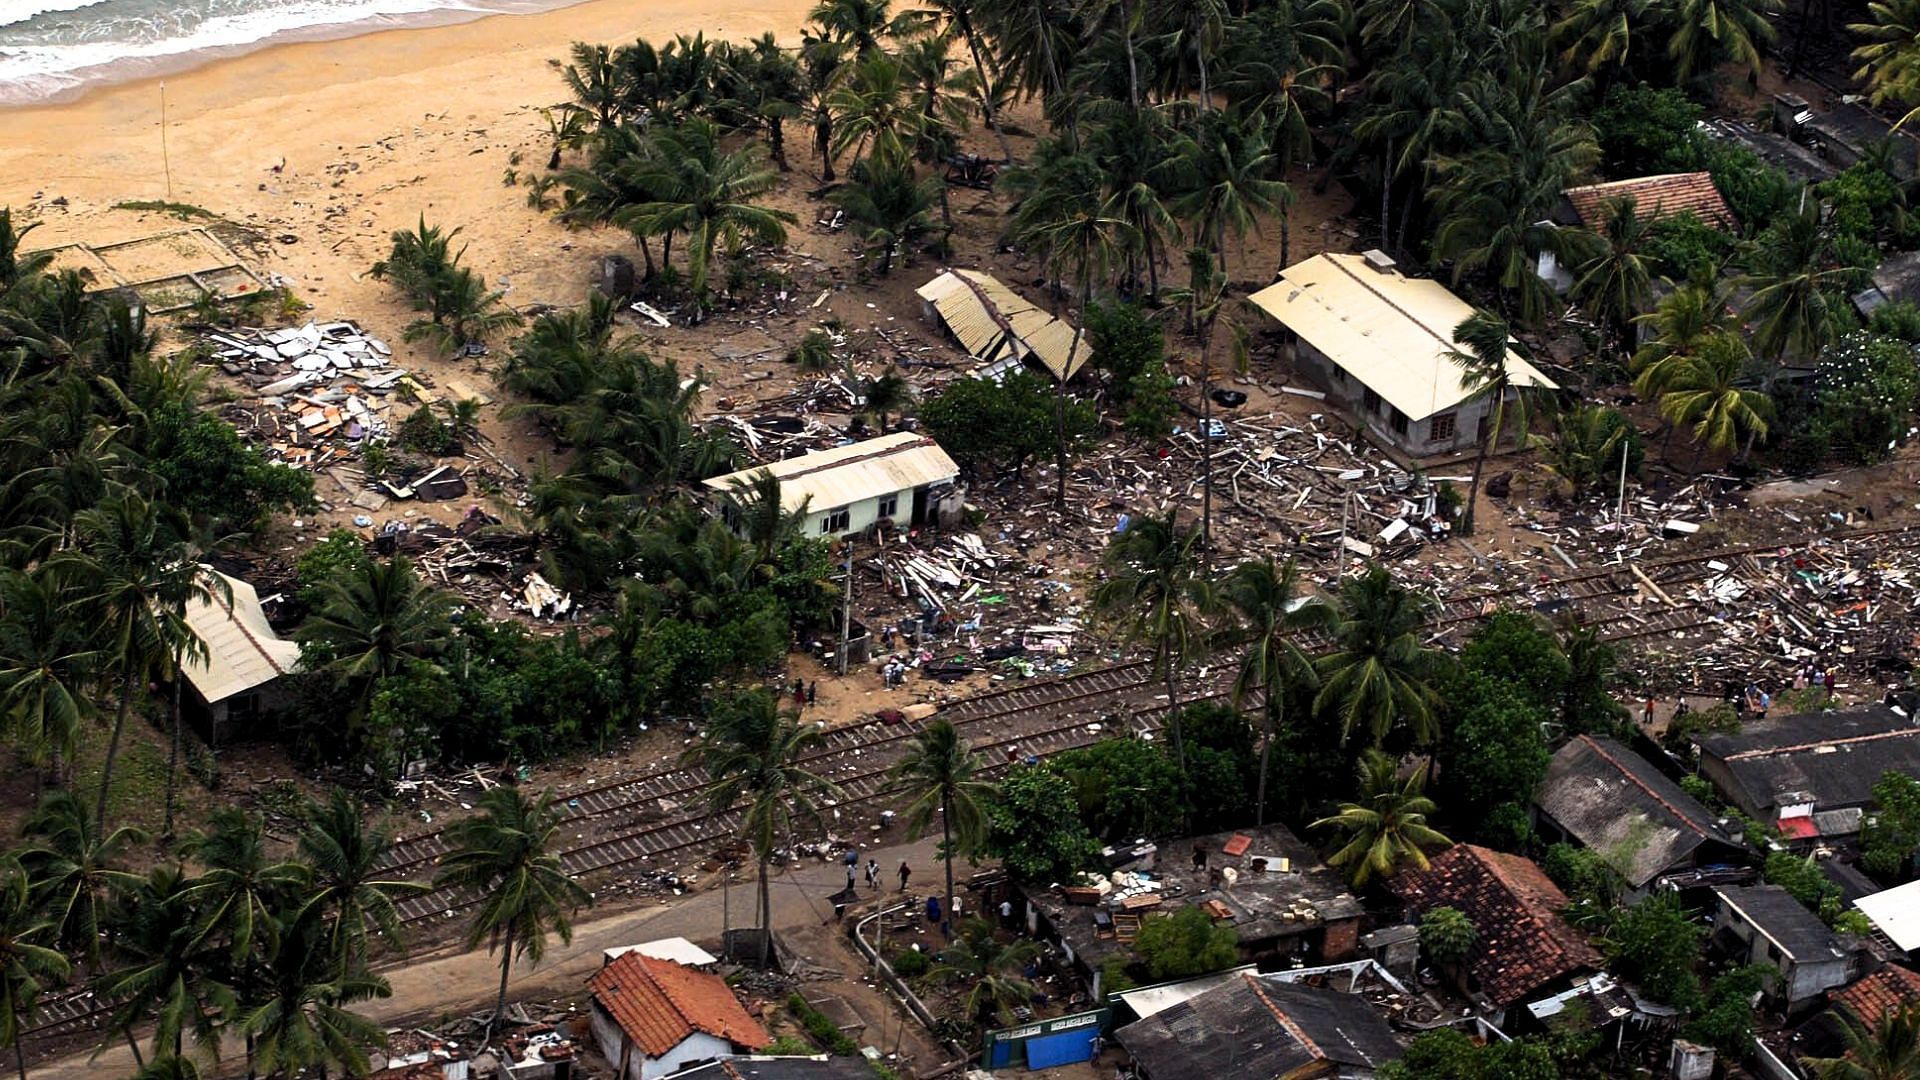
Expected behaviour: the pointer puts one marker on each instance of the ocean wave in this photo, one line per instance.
(19, 11)
(36, 67)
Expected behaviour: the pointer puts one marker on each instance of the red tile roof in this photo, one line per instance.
(1655, 197)
(1523, 942)
(1798, 828)
(1892, 987)
(659, 1003)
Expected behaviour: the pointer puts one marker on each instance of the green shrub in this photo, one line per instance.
(910, 963)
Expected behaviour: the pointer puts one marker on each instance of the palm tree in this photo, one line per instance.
(140, 581)
(349, 890)
(823, 67)
(46, 661)
(1387, 828)
(752, 753)
(959, 16)
(1585, 448)
(163, 969)
(597, 84)
(243, 890)
(988, 967)
(757, 512)
(1265, 597)
(1486, 371)
(1706, 30)
(1888, 1050)
(871, 107)
(1377, 675)
(1798, 282)
(15, 266)
(504, 857)
(892, 206)
(887, 392)
(1889, 64)
(941, 774)
(1686, 321)
(465, 311)
(1711, 394)
(1223, 177)
(1154, 591)
(706, 192)
(302, 1021)
(76, 871)
(1597, 36)
(1614, 281)
(862, 23)
(1063, 215)
(26, 962)
(374, 620)
(764, 90)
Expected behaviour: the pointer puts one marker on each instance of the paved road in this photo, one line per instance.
(466, 982)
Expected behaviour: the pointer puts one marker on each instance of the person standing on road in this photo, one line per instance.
(873, 873)
(905, 873)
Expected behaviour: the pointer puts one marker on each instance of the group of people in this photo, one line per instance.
(804, 692)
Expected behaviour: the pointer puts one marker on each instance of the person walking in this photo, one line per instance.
(905, 873)
(873, 873)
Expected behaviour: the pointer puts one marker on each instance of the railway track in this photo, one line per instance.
(656, 820)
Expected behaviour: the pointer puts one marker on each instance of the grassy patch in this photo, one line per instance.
(183, 211)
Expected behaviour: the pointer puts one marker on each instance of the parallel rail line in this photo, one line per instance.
(658, 817)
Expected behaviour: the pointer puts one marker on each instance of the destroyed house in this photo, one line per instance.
(1602, 796)
(653, 1017)
(1811, 774)
(1257, 1027)
(235, 678)
(1000, 328)
(781, 1067)
(1281, 902)
(1764, 924)
(1382, 344)
(1867, 1000)
(1522, 946)
(904, 478)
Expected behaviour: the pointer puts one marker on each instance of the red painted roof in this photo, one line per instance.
(1655, 197)
(1892, 987)
(1798, 828)
(1523, 942)
(659, 1003)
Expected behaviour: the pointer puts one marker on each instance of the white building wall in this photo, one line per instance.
(860, 515)
(696, 1047)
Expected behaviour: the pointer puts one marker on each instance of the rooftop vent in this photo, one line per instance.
(1379, 260)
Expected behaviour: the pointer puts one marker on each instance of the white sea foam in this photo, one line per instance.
(45, 52)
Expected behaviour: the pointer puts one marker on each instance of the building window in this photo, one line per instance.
(889, 506)
(1399, 422)
(1441, 427)
(835, 522)
(1773, 953)
(1370, 401)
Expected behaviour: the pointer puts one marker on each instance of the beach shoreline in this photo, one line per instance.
(79, 82)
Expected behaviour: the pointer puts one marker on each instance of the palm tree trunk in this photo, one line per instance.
(113, 751)
(986, 88)
(139, 1060)
(1173, 716)
(766, 914)
(500, 999)
(1286, 239)
(1266, 749)
(1386, 194)
(1473, 487)
(1206, 444)
(777, 143)
(19, 1057)
(1133, 64)
(173, 755)
(946, 849)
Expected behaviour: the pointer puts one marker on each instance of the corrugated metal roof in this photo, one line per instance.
(990, 319)
(1390, 331)
(242, 650)
(844, 475)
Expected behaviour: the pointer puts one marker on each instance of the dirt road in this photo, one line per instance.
(455, 984)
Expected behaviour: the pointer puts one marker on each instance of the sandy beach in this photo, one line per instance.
(373, 130)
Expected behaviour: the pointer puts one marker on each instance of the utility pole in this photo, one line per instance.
(846, 615)
(1620, 507)
(166, 163)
